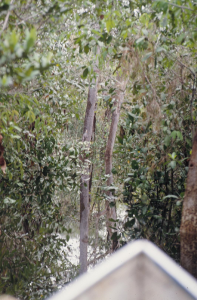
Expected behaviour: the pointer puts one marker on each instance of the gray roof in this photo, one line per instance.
(138, 271)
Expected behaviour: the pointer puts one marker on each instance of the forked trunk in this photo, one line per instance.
(110, 204)
(188, 230)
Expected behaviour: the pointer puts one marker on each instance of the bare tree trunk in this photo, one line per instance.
(85, 177)
(91, 166)
(188, 230)
(110, 203)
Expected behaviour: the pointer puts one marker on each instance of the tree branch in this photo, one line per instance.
(179, 6)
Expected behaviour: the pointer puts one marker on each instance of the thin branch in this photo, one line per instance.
(45, 20)
(179, 6)
(93, 261)
(28, 18)
(17, 15)
(182, 64)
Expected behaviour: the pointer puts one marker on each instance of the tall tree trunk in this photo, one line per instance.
(91, 166)
(110, 203)
(188, 230)
(85, 177)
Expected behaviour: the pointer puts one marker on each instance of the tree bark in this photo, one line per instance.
(188, 230)
(110, 203)
(85, 177)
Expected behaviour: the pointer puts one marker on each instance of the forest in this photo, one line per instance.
(98, 140)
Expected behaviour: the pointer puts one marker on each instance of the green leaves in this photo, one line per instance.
(140, 40)
(134, 164)
(160, 6)
(86, 49)
(177, 134)
(115, 236)
(149, 54)
(41, 113)
(85, 72)
(129, 224)
(172, 164)
(160, 49)
(8, 200)
(174, 135)
(6, 81)
(4, 5)
(173, 155)
(110, 24)
(30, 39)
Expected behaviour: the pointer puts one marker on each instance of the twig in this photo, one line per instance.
(182, 64)
(179, 6)
(98, 257)
(43, 22)
(28, 18)
(17, 15)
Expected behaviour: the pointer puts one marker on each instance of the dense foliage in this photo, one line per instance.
(47, 51)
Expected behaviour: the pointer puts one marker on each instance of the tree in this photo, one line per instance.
(188, 230)
(38, 162)
(85, 176)
(147, 84)
(121, 81)
(168, 177)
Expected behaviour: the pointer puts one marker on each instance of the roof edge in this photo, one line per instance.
(122, 256)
